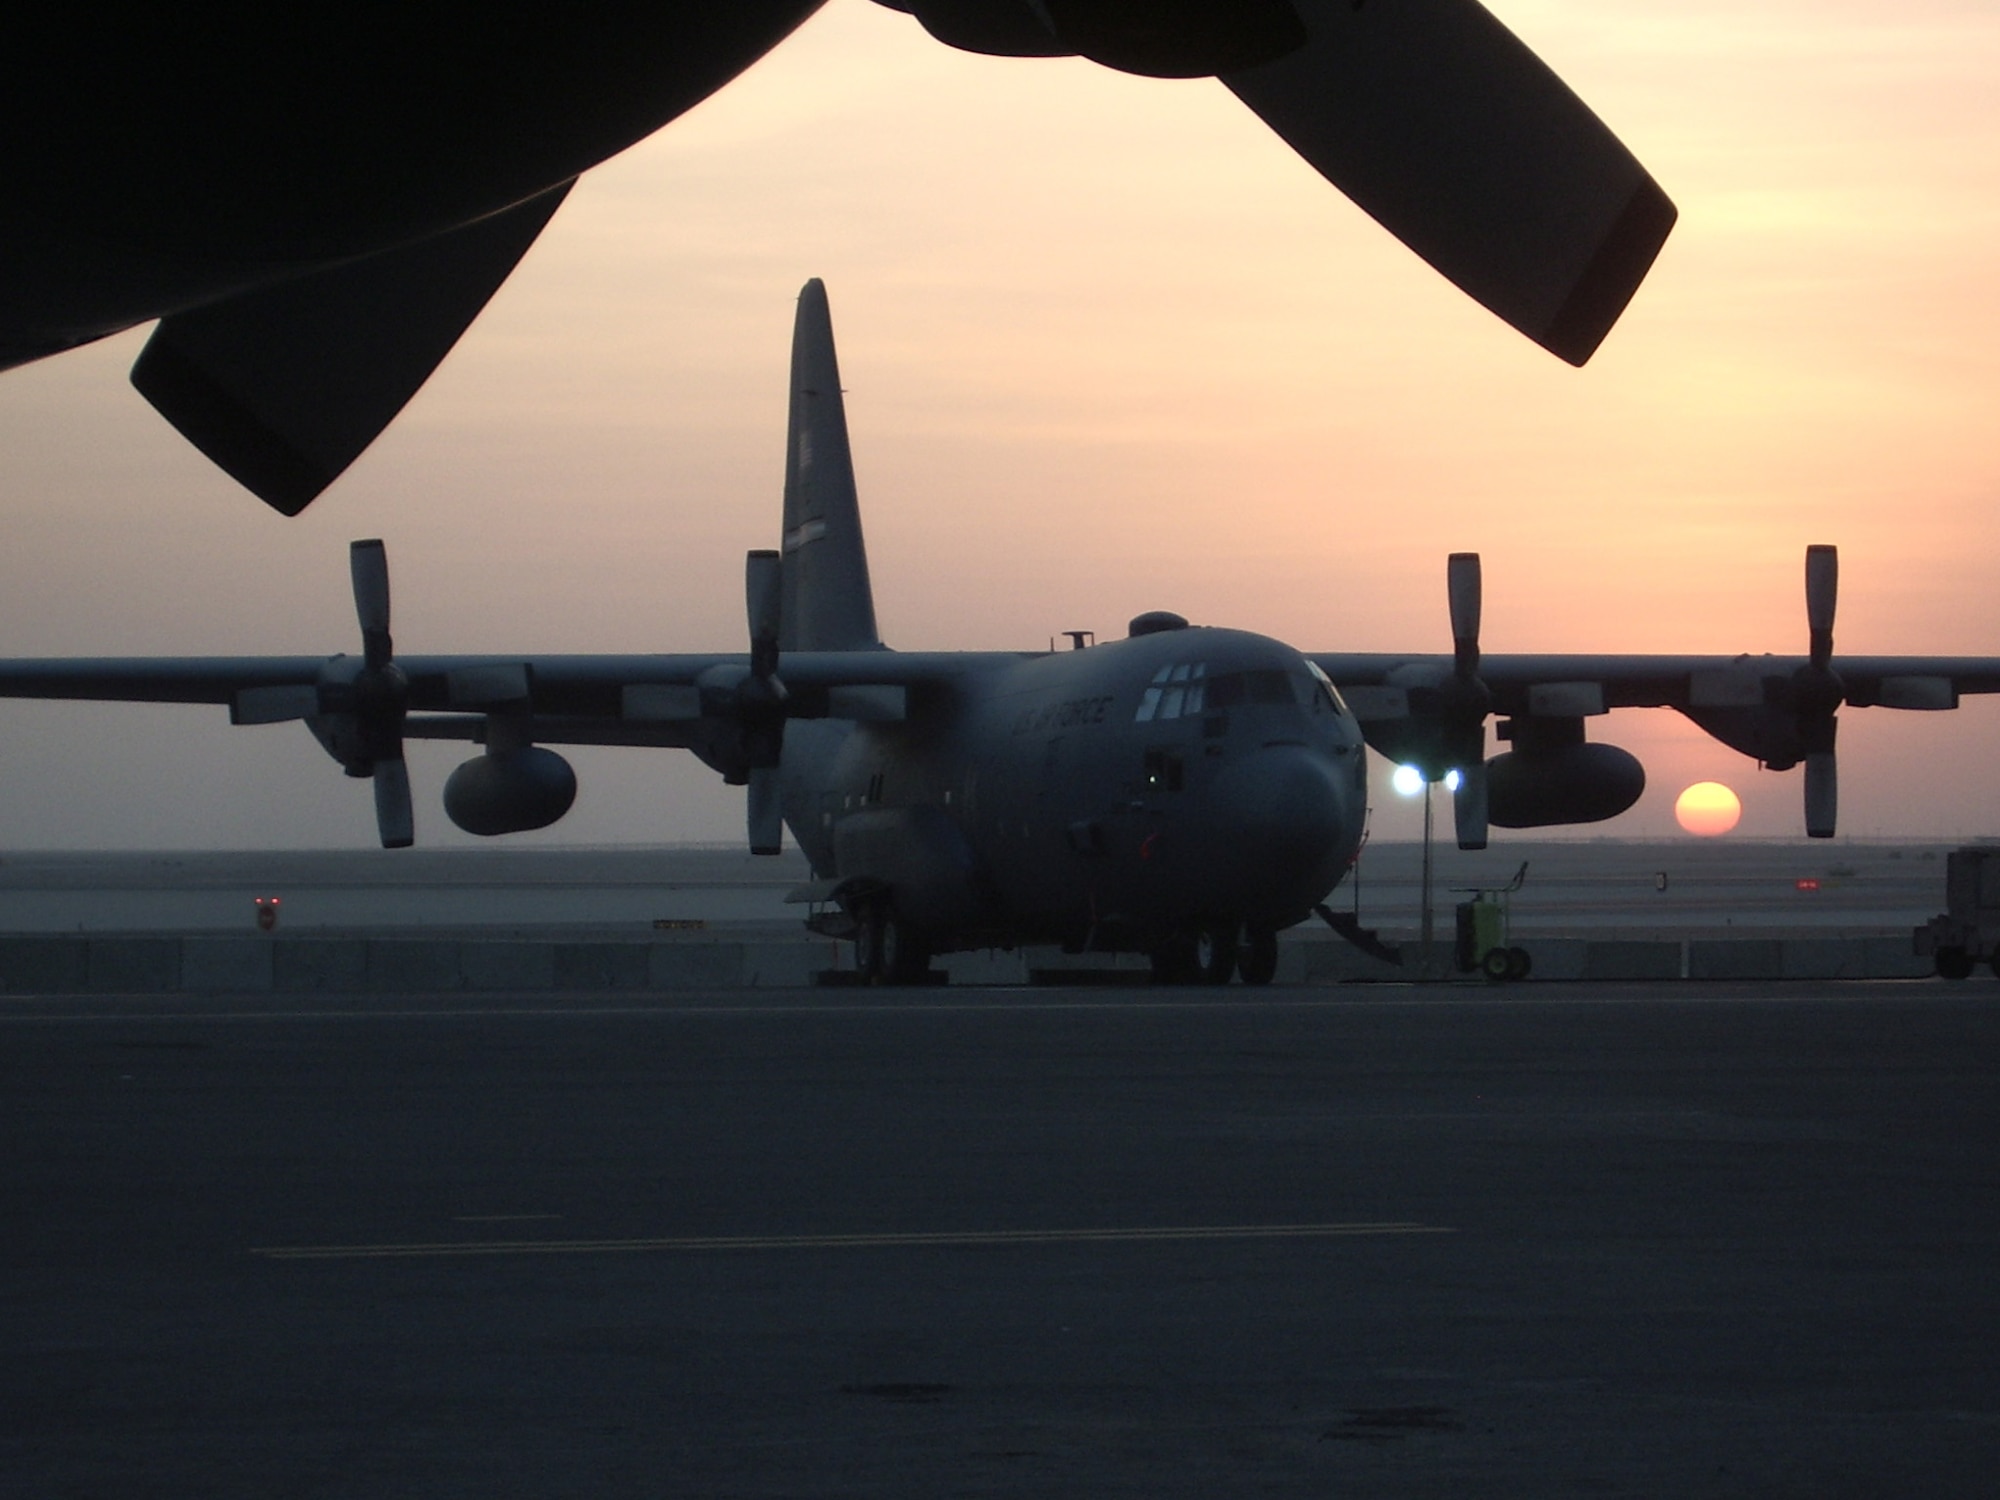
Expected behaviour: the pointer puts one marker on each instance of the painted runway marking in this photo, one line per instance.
(919, 1239)
(499, 1218)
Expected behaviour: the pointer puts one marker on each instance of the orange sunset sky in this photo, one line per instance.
(1110, 346)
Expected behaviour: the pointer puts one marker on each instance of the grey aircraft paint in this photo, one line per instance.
(1089, 797)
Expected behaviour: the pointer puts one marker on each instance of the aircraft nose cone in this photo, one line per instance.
(1285, 826)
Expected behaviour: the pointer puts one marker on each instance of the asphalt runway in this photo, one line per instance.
(1681, 1240)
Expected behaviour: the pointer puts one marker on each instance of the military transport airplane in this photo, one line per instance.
(316, 203)
(1187, 791)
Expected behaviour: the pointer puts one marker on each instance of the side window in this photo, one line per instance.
(1327, 694)
(1175, 691)
(1163, 771)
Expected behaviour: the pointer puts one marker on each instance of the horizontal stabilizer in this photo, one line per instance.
(1462, 143)
(284, 387)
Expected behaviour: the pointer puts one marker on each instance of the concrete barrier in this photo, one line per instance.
(1853, 958)
(44, 965)
(694, 966)
(508, 965)
(228, 964)
(1736, 958)
(133, 966)
(216, 965)
(319, 964)
(1649, 959)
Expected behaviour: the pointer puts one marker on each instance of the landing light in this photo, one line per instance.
(1451, 780)
(1407, 780)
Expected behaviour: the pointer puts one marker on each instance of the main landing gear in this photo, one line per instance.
(887, 950)
(1211, 952)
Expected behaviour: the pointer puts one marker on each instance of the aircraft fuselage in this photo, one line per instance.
(1103, 798)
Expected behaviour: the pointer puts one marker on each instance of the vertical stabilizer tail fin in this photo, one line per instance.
(828, 604)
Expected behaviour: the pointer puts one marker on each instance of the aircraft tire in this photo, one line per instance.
(1258, 961)
(1954, 963)
(869, 939)
(1215, 952)
(905, 959)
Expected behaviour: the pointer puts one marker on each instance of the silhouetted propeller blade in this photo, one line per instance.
(1822, 794)
(1462, 585)
(763, 599)
(368, 563)
(1468, 806)
(767, 823)
(393, 816)
(1459, 141)
(1822, 593)
(1821, 693)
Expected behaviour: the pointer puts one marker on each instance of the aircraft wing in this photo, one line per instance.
(1431, 712)
(581, 688)
(728, 709)
(1377, 685)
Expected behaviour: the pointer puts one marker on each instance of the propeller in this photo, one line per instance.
(1818, 693)
(1467, 701)
(1458, 140)
(1434, 118)
(762, 700)
(358, 707)
(380, 699)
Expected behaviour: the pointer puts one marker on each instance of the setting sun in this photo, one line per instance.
(1708, 808)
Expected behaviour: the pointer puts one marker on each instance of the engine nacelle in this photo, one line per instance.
(1579, 783)
(510, 791)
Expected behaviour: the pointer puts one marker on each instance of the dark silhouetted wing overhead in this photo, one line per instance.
(1464, 145)
(284, 387)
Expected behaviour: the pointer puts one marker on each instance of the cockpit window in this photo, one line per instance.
(1262, 685)
(1326, 689)
(1175, 692)
(1185, 690)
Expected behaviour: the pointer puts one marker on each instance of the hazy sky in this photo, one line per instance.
(1110, 346)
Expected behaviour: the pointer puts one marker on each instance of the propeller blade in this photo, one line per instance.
(1822, 794)
(1822, 591)
(1468, 806)
(393, 816)
(368, 564)
(1462, 584)
(763, 597)
(766, 816)
(1459, 141)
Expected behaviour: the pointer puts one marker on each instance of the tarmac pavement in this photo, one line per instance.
(1693, 1240)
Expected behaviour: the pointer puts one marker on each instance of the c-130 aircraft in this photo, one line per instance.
(1187, 792)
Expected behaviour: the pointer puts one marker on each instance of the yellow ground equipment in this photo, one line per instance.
(1484, 932)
